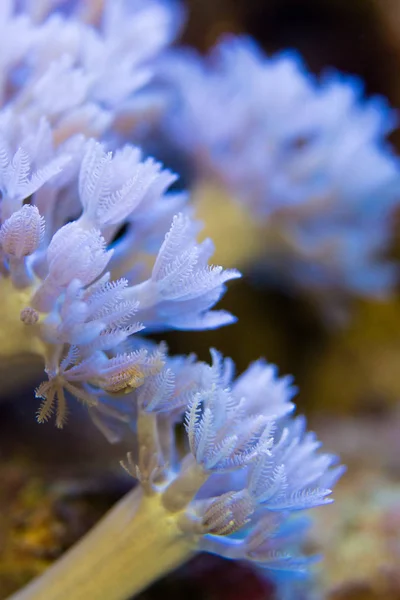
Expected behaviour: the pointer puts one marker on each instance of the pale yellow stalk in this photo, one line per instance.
(136, 543)
(21, 351)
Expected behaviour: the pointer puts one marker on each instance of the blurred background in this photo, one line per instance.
(56, 487)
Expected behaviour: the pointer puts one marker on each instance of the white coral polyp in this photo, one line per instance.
(22, 233)
(76, 253)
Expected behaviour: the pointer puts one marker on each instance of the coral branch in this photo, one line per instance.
(135, 544)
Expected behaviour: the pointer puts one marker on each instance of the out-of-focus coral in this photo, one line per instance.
(307, 160)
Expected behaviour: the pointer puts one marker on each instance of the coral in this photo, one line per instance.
(250, 468)
(307, 158)
(65, 196)
(96, 247)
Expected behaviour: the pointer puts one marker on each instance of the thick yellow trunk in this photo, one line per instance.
(137, 542)
(21, 351)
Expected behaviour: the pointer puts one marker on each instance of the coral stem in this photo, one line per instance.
(21, 350)
(133, 545)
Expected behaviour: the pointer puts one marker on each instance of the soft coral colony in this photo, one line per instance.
(62, 266)
(306, 158)
(96, 248)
